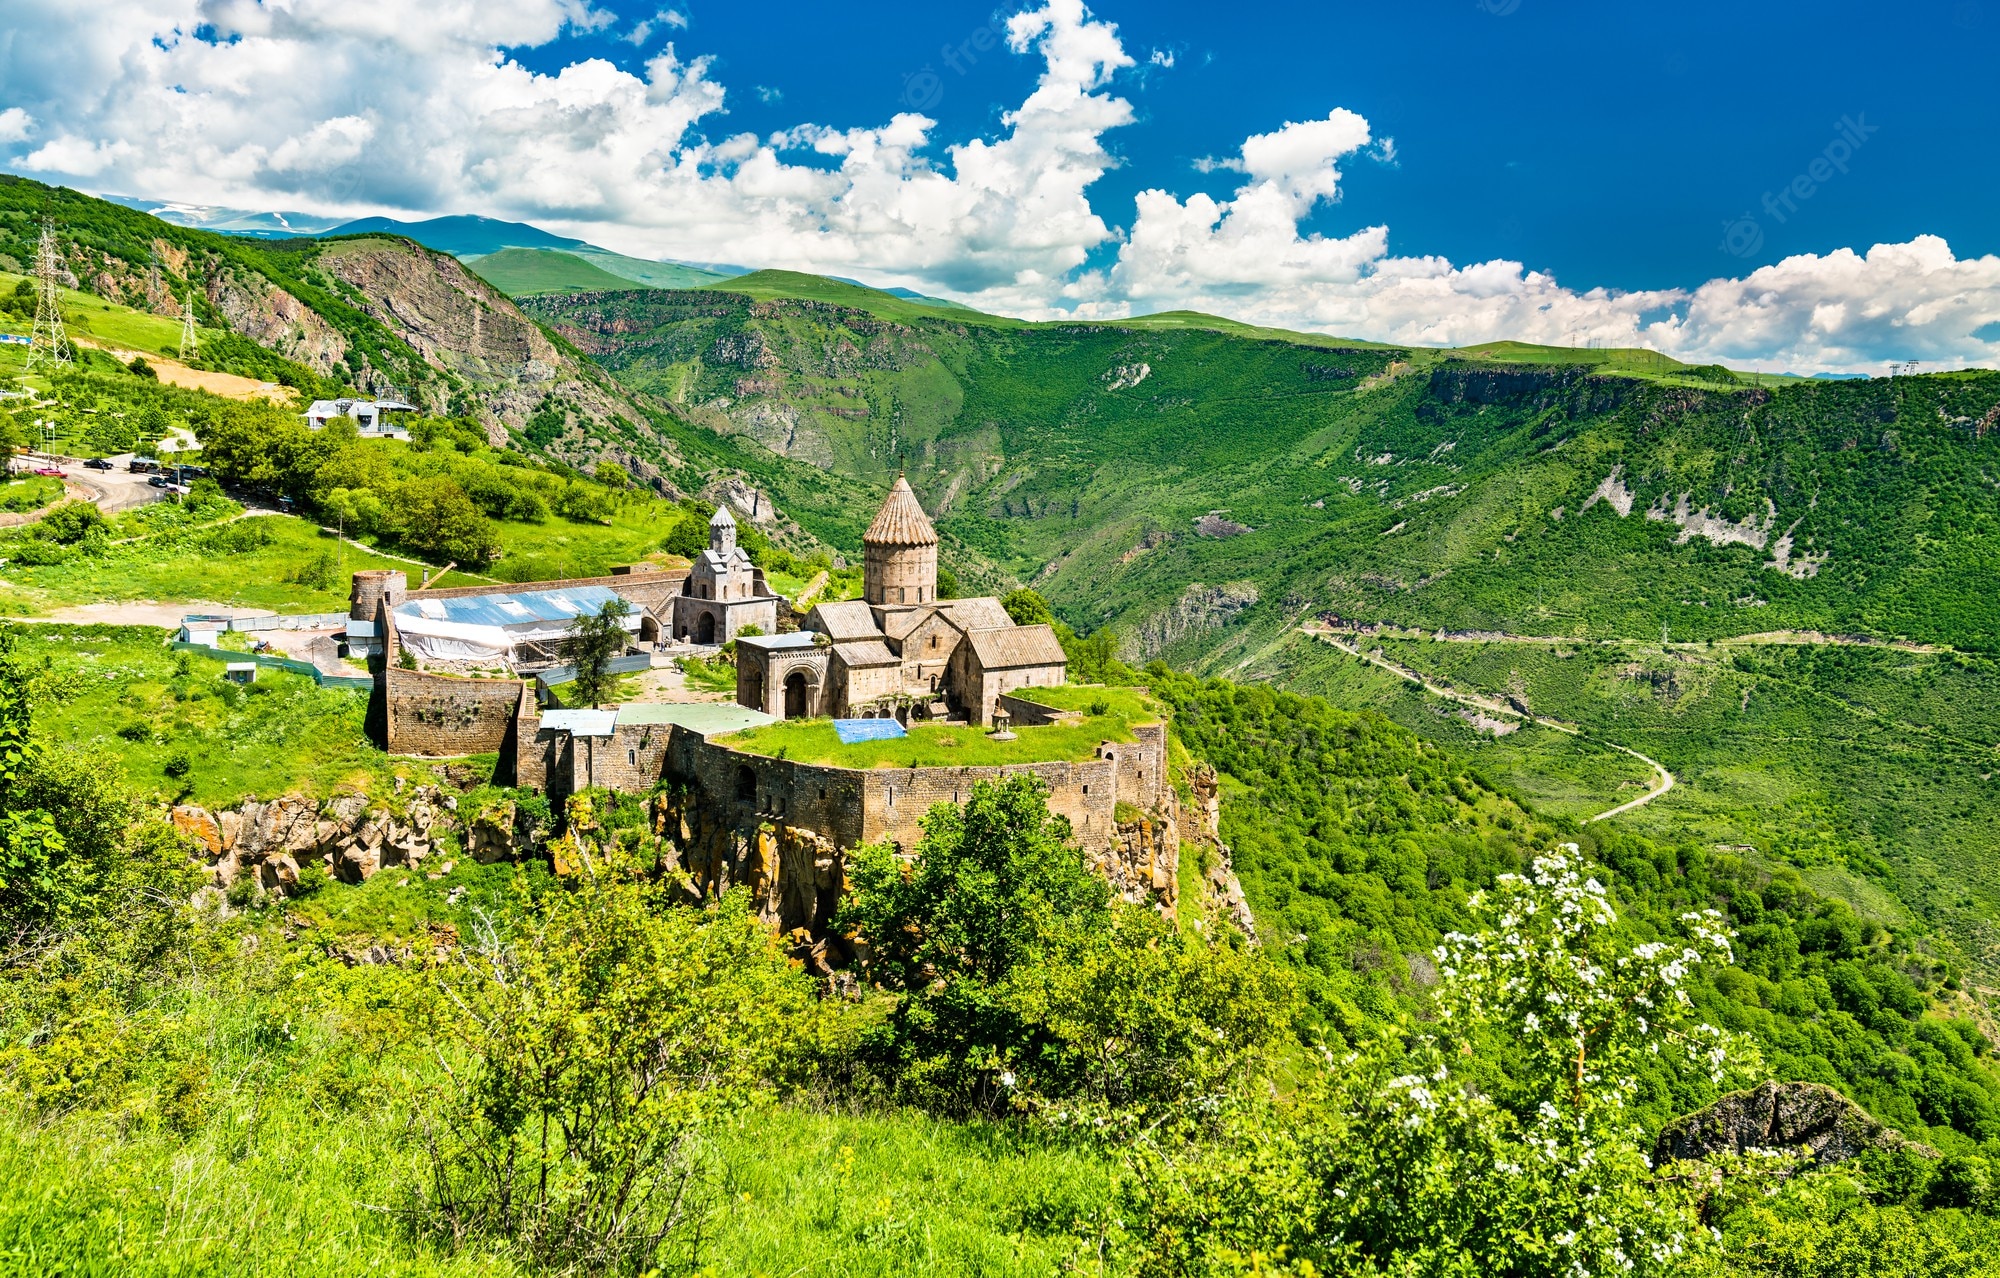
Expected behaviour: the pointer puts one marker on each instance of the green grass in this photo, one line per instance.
(186, 567)
(29, 493)
(119, 692)
(931, 745)
(818, 288)
(90, 316)
(519, 272)
(558, 547)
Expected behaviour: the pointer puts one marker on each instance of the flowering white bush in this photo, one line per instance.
(1496, 1142)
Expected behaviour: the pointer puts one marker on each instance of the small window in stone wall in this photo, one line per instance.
(632, 757)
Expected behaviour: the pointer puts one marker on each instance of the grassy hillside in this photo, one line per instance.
(520, 272)
(1198, 489)
(524, 272)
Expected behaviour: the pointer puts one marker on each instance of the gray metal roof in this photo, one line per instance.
(796, 639)
(511, 609)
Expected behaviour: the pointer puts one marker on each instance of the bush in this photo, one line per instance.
(608, 1036)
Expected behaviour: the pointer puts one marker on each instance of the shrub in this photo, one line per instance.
(608, 1036)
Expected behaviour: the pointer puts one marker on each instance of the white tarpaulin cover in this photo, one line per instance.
(490, 627)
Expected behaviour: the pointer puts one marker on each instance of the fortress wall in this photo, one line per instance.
(534, 750)
(896, 799)
(1142, 767)
(434, 715)
(828, 801)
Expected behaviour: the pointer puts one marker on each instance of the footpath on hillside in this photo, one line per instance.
(1663, 780)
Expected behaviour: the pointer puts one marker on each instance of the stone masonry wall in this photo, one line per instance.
(435, 715)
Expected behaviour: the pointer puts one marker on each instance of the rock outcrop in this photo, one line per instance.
(274, 841)
(1780, 1116)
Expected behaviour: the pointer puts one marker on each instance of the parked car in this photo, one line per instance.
(159, 481)
(98, 463)
(50, 471)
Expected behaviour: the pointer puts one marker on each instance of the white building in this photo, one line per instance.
(371, 416)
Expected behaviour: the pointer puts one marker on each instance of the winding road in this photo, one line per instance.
(1663, 779)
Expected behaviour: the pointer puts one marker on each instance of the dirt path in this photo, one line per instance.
(1761, 639)
(1663, 779)
(175, 373)
(141, 612)
(812, 590)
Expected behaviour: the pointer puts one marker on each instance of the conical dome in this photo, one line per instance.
(722, 518)
(901, 521)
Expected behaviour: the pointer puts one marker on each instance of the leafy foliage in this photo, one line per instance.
(1021, 982)
(606, 1036)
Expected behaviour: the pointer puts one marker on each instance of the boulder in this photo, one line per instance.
(1780, 1116)
(197, 824)
(231, 825)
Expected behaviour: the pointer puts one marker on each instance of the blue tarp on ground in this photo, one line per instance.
(851, 731)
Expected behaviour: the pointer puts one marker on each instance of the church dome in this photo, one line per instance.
(901, 521)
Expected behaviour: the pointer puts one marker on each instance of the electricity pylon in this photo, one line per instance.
(190, 340)
(48, 345)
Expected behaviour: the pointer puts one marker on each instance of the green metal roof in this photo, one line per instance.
(704, 717)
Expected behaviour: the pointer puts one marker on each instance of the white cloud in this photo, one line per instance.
(363, 106)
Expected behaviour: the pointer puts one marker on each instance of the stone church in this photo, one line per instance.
(899, 651)
(725, 591)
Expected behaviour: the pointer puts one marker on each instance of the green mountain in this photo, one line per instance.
(521, 272)
(1183, 482)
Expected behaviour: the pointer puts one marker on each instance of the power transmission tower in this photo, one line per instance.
(190, 340)
(48, 345)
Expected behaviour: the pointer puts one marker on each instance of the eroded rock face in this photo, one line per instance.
(1780, 1116)
(276, 841)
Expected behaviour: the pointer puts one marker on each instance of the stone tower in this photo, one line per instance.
(722, 531)
(900, 550)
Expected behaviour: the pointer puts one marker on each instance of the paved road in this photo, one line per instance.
(1663, 779)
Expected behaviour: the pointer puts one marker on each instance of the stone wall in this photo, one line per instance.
(435, 715)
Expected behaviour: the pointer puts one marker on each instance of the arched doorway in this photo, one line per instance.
(795, 695)
(705, 629)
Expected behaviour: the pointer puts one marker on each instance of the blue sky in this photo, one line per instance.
(1609, 143)
(1795, 186)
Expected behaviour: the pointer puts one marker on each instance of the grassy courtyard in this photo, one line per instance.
(1108, 714)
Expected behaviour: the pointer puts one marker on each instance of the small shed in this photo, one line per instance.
(240, 672)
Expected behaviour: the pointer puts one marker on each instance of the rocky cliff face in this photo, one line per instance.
(1788, 1117)
(270, 843)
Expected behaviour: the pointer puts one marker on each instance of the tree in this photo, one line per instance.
(437, 519)
(688, 538)
(1020, 982)
(1028, 608)
(612, 475)
(593, 642)
(39, 880)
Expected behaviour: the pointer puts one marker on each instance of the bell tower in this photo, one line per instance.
(899, 552)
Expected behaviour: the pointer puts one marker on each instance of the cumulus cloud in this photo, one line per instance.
(379, 106)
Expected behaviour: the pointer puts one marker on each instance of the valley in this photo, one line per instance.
(1410, 630)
